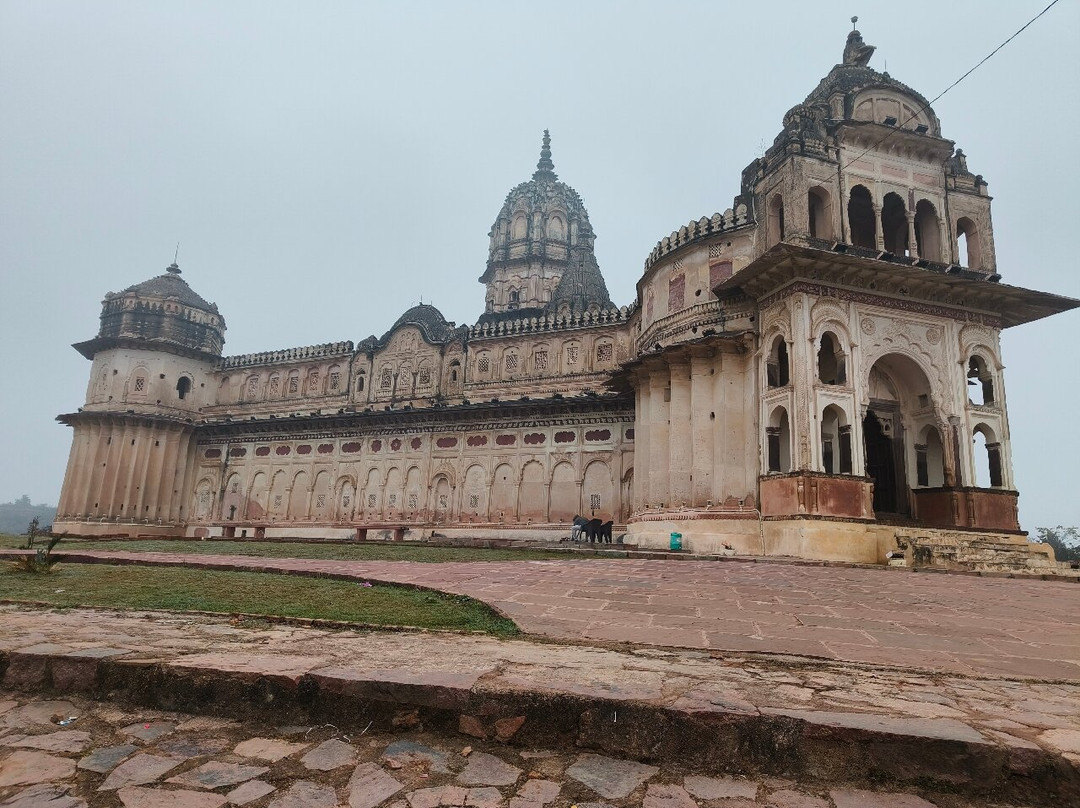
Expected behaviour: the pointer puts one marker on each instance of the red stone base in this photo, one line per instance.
(810, 494)
(984, 508)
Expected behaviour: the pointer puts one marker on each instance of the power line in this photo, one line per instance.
(934, 100)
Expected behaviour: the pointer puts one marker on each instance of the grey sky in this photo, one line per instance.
(324, 165)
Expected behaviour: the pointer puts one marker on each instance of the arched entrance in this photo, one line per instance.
(899, 406)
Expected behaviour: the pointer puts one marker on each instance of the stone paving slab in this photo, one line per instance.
(529, 777)
(954, 623)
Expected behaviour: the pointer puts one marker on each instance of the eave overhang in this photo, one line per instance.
(842, 266)
(90, 347)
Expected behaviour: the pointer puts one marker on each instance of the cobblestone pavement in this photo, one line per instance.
(80, 754)
(999, 711)
(954, 623)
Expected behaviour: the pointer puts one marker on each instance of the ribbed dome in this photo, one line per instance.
(542, 218)
(170, 285)
(428, 319)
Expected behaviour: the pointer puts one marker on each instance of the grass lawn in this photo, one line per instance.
(268, 549)
(72, 585)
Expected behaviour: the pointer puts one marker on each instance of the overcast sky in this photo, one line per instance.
(324, 165)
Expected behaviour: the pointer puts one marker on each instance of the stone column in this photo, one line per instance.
(138, 493)
(89, 473)
(152, 477)
(71, 474)
(168, 475)
(703, 421)
(879, 237)
(659, 434)
(641, 494)
(680, 443)
(913, 242)
(110, 481)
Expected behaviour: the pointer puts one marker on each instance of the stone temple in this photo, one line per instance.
(814, 372)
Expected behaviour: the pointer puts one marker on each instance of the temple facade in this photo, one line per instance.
(815, 372)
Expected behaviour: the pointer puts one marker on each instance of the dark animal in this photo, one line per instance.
(605, 532)
(592, 529)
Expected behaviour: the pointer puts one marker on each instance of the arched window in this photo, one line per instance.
(483, 364)
(819, 209)
(251, 389)
(927, 231)
(513, 299)
(968, 253)
(835, 441)
(861, 217)
(776, 219)
(778, 435)
(980, 381)
(292, 388)
(556, 230)
(777, 370)
(274, 388)
(361, 378)
(894, 227)
(520, 226)
(183, 387)
(831, 362)
(930, 459)
(987, 458)
(386, 379)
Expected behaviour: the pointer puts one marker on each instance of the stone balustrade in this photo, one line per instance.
(288, 355)
(702, 228)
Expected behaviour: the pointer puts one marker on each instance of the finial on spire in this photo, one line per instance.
(545, 167)
(853, 21)
(174, 268)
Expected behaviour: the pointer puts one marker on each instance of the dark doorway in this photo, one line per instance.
(884, 462)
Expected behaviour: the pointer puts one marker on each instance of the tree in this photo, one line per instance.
(1064, 540)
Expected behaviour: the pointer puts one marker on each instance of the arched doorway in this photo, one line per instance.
(899, 405)
(882, 461)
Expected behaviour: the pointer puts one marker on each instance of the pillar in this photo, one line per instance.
(659, 434)
(680, 443)
(703, 423)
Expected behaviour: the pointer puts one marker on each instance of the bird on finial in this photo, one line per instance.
(545, 167)
(857, 52)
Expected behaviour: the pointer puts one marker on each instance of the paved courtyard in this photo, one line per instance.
(954, 623)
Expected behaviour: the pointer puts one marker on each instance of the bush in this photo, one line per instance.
(1064, 540)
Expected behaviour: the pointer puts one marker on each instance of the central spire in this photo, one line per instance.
(545, 167)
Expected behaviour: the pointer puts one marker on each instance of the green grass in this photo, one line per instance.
(269, 549)
(70, 585)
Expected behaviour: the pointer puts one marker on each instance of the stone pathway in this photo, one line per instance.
(201, 762)
(954, 623)
(1006, 712)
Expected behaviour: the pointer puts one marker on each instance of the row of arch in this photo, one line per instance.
(277, 385)
(892, 228)
(836, 456)
(832, 361)
(532, 494)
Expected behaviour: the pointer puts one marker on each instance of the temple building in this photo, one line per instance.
(814, 372)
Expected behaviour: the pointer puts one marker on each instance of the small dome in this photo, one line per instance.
(428, 319)
(847, 92)
(164, 311)
(170, 285)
